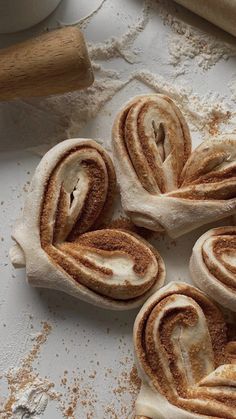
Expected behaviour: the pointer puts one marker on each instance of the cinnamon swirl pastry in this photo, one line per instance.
(163, 186)
(71, 194)
(183, 356)
(213, 265)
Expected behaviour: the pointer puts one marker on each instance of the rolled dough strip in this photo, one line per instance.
(221, 12)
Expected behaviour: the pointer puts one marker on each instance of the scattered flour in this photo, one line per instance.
(88, 104)
(187, 42)
(232, 87)
(28, 393)
(115, 46)
(121, 46)
(205, 114)
(32, 400)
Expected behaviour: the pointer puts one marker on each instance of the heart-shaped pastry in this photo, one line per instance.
(70, 196)
(165, 187)
(184, 358)
(213, 265)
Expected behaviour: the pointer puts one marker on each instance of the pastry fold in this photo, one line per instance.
(184, 358)
(213, 265)
(165, 187)
(71, 195)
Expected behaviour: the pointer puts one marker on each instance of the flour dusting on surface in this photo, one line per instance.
(232, 87)
(32, 400)
(208, 114)
(187, 42)
(28, 393)
(119, 63)
(88, 104)
(204, 114)
(122, 46)
(80, 391)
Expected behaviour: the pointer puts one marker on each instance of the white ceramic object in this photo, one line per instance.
(16, 15)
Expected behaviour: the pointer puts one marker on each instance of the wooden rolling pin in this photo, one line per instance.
(220, 12)
(55, 62)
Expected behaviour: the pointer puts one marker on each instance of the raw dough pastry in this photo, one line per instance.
(163, 186)
(221, 12)
(71, 194)
(185, 361)
(213, 265)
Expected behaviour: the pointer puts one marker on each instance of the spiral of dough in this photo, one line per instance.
(183, 357)
(213, 265)
(165, 187)
(71, 195)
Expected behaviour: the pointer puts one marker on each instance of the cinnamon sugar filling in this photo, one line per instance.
(71, 257)
(94, 208)
(222, 245)
(147, 156)
(69, 252)
(175, 386)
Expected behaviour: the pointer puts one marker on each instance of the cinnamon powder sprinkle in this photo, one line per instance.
(217, 119)
(23, 376)
(80, 398)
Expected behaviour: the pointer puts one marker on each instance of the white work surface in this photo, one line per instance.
(50, 338)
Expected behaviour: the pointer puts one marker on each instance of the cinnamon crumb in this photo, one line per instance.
(217, 119)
